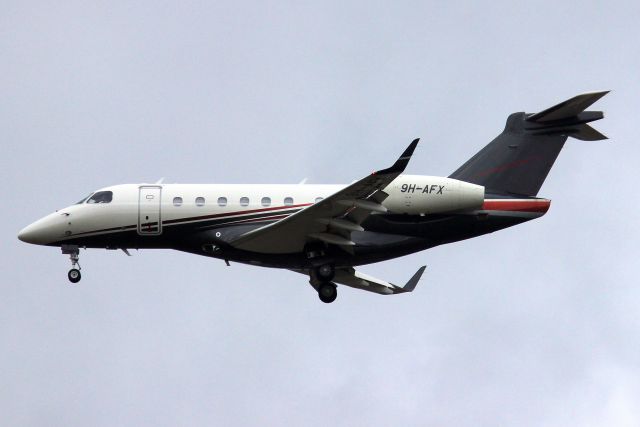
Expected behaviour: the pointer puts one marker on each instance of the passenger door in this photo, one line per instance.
(149, 220)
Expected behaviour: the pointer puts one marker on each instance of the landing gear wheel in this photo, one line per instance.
(74, 275)
(328, 292)
(325, 272)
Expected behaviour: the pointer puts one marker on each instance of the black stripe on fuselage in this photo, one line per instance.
(106, 230)
(207, 221)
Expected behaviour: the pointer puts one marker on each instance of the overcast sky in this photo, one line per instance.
(535, 325)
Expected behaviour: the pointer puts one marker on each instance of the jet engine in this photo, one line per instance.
(420, 194)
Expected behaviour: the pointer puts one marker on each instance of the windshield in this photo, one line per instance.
(84, 199)
(101, 197)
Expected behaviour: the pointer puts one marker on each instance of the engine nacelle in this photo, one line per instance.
(419, 194)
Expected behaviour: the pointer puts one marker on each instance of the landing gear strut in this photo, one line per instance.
(74, 255)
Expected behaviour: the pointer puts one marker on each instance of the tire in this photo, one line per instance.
(74, 275)
(328, 292)
(325, 272)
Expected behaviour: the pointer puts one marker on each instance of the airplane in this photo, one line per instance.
(324, 231)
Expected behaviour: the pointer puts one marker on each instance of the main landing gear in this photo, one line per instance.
(327, 290)
(74, 255)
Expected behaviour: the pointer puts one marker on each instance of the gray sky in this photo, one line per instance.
(534, 325)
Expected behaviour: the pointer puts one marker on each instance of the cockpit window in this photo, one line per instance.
(84, 199)
(101, 197)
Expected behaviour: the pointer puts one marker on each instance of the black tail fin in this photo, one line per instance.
(519, 159)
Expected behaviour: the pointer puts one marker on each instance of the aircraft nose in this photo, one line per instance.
(30, 234)
(40, 232)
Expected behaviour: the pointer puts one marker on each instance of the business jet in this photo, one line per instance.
(324, 231)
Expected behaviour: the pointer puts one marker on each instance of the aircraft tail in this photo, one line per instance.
(519, 159)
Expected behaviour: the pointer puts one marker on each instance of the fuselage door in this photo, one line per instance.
(149, 221)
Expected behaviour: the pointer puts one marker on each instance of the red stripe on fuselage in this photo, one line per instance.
(536, 205)
(234, 213)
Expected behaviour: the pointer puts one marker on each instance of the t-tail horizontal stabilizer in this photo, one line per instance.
(568, 118)
(573, 107)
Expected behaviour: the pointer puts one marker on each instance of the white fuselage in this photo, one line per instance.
(152, 208)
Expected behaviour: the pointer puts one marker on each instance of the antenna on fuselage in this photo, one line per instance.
(304, 181)
(158, 182)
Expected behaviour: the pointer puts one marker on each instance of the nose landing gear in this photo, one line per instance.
(74, 255)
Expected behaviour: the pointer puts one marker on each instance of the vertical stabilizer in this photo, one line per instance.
(519, 159)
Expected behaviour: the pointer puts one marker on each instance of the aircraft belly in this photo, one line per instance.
(440, 229)
(385, 237)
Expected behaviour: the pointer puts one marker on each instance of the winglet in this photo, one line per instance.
(411, 284)
(403, 160)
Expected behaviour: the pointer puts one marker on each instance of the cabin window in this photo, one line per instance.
(222, 201)
(199, 201)
(319, 199)
(177, 201)
(288, 201)
(266, 201)
(101, 197)
(244, 201)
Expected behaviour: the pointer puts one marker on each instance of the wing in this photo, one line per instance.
(355, 279)
(331, 220)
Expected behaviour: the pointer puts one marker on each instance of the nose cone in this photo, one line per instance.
(32, 234)
(41, 232)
